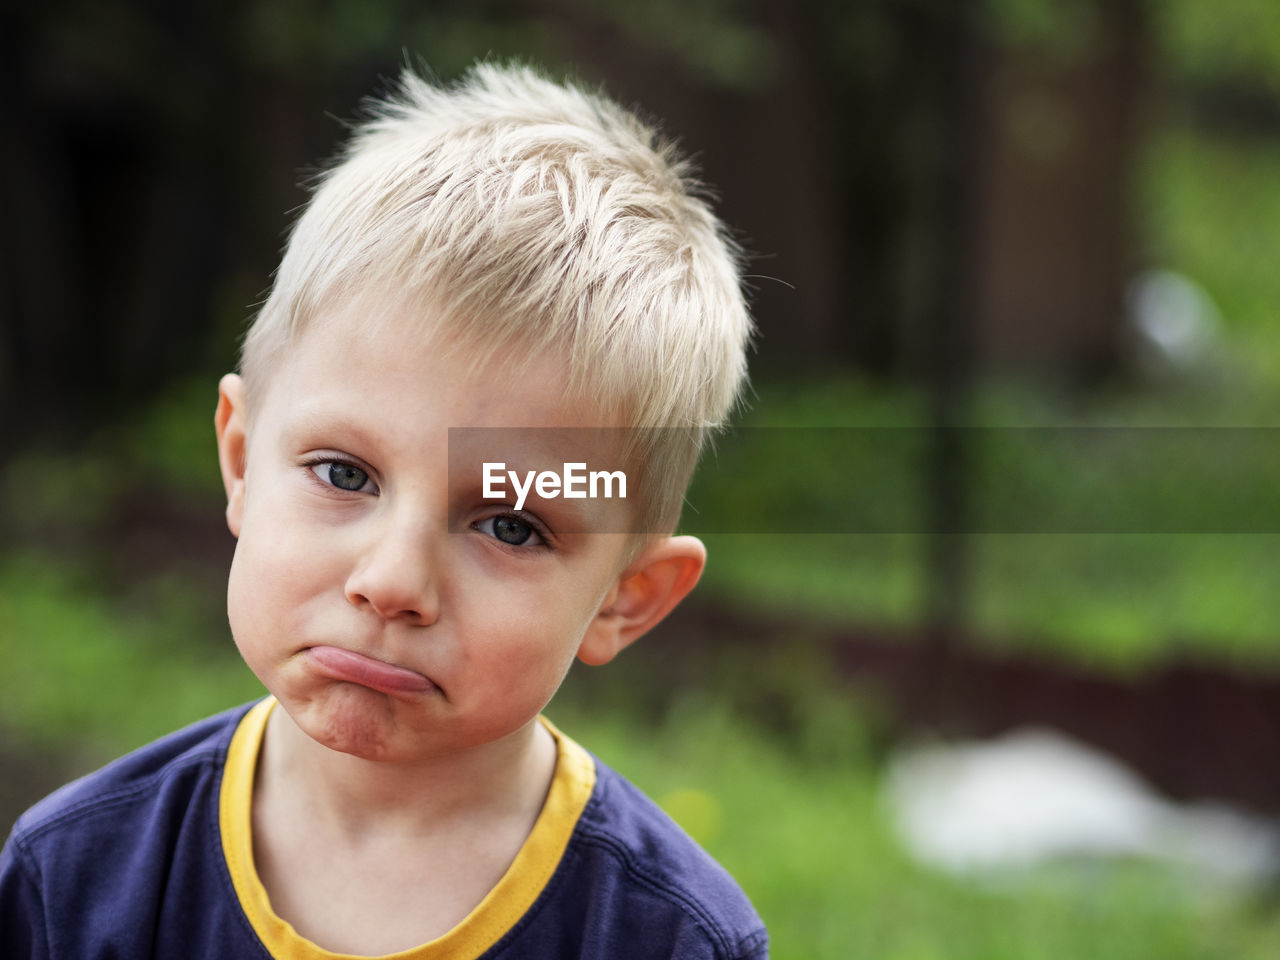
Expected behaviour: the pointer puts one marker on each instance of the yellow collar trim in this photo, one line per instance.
(496, 914)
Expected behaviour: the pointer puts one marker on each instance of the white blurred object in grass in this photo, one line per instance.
(1175, 322)
(1034, 796)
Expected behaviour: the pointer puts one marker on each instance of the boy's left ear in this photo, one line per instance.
(647, 590)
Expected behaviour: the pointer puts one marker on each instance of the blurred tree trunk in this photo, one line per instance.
(1057, 245)
(116, 163)
(955, 45)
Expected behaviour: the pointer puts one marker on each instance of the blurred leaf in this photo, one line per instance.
(1232, 42)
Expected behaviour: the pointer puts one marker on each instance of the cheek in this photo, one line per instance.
(248, 611)
(513, 631)
(274, 574)
(281, 541)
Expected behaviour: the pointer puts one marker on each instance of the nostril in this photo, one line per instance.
(395, 599)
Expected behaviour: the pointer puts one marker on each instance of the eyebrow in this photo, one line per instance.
(304, 423)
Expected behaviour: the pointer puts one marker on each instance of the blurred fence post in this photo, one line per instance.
(952, 325)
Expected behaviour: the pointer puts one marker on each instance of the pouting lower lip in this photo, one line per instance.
(351, 667)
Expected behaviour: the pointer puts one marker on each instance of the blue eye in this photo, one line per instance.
(343, 475)
(511, 530)
(347, 477)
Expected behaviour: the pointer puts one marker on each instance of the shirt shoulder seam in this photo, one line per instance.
(25, 860)
(714, 930)
(752, 942)
(91, 805)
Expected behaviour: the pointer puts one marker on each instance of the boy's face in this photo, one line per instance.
(383, 602)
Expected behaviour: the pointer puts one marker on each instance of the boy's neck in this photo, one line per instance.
(506, 779)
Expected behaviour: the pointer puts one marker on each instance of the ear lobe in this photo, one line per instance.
(651, 586)
(229, 423)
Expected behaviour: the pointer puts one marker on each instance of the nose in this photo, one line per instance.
(395, 577)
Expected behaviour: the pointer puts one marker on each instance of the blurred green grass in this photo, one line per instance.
(100, 675)
(1111, 602)
(809, 841)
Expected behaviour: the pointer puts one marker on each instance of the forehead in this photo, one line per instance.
(381, 383)
(398, 366)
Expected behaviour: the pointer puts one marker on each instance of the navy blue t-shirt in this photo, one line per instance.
(152, 857)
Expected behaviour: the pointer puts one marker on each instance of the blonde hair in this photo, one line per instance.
(531, 216)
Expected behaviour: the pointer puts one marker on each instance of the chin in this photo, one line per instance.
(353, 720)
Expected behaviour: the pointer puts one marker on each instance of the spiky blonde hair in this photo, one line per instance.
(531, 216)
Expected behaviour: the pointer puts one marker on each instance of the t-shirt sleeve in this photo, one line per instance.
(22, 933)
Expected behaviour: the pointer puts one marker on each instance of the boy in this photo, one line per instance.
(508, 253)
